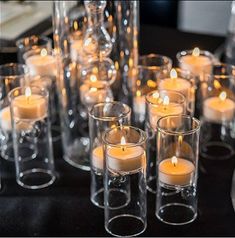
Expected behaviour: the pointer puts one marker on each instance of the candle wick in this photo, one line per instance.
(174, 164)
(123, 149)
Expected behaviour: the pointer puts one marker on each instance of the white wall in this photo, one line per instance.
(209, 17)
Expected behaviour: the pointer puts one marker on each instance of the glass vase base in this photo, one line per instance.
(151, 184)
(125, 225)
(36, 178)
(78, 154)
(123, 198)
(176, 214)
(217, 150)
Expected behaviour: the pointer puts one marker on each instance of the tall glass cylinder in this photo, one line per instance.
(218, 117)
(159, 104)
(177, 169)
(123, 23)
(32, 137)
(11, 76)
(74, 131)
(125, 169)
(103, 116)
(148, 71)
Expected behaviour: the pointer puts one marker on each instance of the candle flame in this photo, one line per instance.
(217, 84)
(93, 89)
(138, 83)
(174, 160)
(75, 25)
(43, 52)
(138, 93)
(196, 52)
(166, 100)
(223, 96)
(173, 74)
(123, 140)
(180, 139)
(93, 78)
(27, 92)
(151, 84)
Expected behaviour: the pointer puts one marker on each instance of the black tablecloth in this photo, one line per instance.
(64, 209)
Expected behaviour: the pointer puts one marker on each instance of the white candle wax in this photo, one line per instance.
(94, 92)
(76, 49)
(196, 64)
(5, 119)
(176, 84)
(158, 111)
(43, 65)
(98, 158)
(177, 174)
(30, 107)
(217, 110)
(139, 105)
(126, 159)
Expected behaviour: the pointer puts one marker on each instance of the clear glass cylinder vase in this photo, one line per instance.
(177, 169)
(103, 116)
(125, 170)
(74, 131)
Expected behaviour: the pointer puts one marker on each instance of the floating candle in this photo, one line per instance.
(196, 63)
(30, 106)
(176, 171)
(139, 103)
(126, 158)
(42, 64)
(5, 119)
(98, 158)
(160, 108)
(219, 109)
(175, 83)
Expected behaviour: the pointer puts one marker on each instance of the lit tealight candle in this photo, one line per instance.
(98, 158)
(219, 109)
(5, 119)
(42, 64)
(139, 103)
(176, 171)
(175, 83)
(30, 106)
(94, 91)
(159, 108)
(196, 63)
(126, 158)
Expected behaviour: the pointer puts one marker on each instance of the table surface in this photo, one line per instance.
(64, 209)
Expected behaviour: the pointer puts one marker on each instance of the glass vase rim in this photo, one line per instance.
(207, 53)
(155, 67)
(109, 118)
(183, 99)
(43, 37)
(42, 92)
(188, 132)
(142, 140)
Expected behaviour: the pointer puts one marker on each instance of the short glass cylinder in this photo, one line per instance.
(180, 81)
(177, 166)
(103, 116)
(125, 170)
(218, 117)
(32, 43)
(149, 68)
(159, 104)
(32, 137)
(11, 76)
